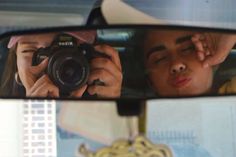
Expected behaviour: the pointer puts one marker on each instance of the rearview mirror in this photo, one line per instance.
(117, 62)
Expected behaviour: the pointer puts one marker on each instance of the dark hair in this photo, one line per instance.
(138, 54)
(9, 86)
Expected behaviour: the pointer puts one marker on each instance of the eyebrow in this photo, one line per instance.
(155, 49)
(183, 39)
(162, 47)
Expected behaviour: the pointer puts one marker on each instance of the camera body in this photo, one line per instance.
(68, 65)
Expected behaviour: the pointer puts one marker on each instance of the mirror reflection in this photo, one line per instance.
(114, 63)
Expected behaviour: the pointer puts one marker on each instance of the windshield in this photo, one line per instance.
(183, 127)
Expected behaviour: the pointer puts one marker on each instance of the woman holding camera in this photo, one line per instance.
(20, 78)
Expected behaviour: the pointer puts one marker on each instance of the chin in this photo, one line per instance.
(191, 93)
(188, 91)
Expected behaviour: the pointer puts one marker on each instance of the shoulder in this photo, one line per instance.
(228, 87)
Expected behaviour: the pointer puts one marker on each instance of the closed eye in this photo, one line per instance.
(160, 59)
(28, 51)
(190, 48)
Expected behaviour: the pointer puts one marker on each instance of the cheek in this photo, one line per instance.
(203, 77)
(24, 61)
(23, 67)
(196, 66)
(158, 77)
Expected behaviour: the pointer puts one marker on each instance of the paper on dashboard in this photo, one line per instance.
(98, 121)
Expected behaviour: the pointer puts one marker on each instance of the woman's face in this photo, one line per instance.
(173, 66)
(26, 47)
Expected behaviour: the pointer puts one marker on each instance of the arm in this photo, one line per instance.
(213, 48)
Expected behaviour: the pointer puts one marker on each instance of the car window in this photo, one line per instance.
(30, 14)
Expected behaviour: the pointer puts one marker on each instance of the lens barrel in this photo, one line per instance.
(69, 70)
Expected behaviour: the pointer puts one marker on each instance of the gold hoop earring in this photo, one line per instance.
(17, 79)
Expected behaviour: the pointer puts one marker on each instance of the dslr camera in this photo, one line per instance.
(68, 65)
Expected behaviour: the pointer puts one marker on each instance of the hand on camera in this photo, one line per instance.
(36, 84)
(106, 70)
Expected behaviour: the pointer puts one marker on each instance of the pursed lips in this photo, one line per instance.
(180, 81)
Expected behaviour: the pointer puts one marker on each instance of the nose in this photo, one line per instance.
(177, 67)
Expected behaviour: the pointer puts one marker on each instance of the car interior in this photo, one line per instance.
(156, 127)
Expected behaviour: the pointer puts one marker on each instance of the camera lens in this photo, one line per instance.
(71, 72)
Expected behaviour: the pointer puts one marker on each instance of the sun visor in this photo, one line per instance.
(116, 11)
(171, 12)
